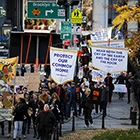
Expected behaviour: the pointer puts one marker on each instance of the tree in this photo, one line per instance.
(127, 14)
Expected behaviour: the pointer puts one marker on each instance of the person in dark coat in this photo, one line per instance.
(19, 111)
(88, 106)
(46, 122)
(109, 83)
(23, 70)
(104, 97)
(33, 104)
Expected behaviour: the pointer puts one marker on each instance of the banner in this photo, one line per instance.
(113, 43)
(62, 63)
(8, 69)
(5, 114)
(103, 34)
(120, 88)
(110, 60)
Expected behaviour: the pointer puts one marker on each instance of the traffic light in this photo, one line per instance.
(74, 2)
(61, 2)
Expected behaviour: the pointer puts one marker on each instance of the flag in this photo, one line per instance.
(8, 69)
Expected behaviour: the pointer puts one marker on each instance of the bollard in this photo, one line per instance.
(133, 118)
(139, 121)
(60, 126)
(73, 122)
(103, 120)
(131, 112)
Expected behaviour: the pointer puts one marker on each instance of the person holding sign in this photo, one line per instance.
(121, 79)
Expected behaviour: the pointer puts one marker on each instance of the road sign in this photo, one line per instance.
(65, 36)
(76, 40)
(49, 9)
(76, 16)
(77, 30)
(65, 30)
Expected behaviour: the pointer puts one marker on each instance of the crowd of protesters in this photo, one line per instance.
(53, 103)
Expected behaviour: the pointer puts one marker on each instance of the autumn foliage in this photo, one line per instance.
(127, 14)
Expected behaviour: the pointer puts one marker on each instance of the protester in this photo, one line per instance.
(46, 122)
(54, 105)
(45, 97)
(19, 111)
(121, 79)
(23, 70)
(109, 83)
(53, 88)
(67, 101)
(128, 85)
(88, 107)
(134, 90)
(38, 110)
(34, 105)
(104, 97)
(72, 88)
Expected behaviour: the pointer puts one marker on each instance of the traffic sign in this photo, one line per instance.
(65, 36)
(49, 10)
(67, 42)
(77, 30)
(66, 29)
(76, 16)
(76, 40)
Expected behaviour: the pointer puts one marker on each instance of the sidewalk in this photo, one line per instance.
(118, 114)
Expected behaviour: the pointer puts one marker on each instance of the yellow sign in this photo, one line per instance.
(36, 12)
(76, 16)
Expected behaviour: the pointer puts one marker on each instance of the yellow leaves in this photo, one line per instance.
(126, 15)
(133, 44)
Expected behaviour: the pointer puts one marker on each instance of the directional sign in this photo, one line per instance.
(65, 36)
(76, 16)
(66, 30)
(49, 9)
(77, 30)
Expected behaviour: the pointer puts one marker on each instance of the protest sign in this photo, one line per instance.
(107, 59)
(62, 63)
(98, 76)
(103, 34)
(80, 73)
(120, 88)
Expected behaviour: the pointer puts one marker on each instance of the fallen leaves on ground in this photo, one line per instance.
(85, 134)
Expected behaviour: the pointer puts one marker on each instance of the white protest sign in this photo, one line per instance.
(62, 63)
(102, 34)
(113, 43)
(120, 88)
(80, 73)
(98, 76)
(109, 59)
